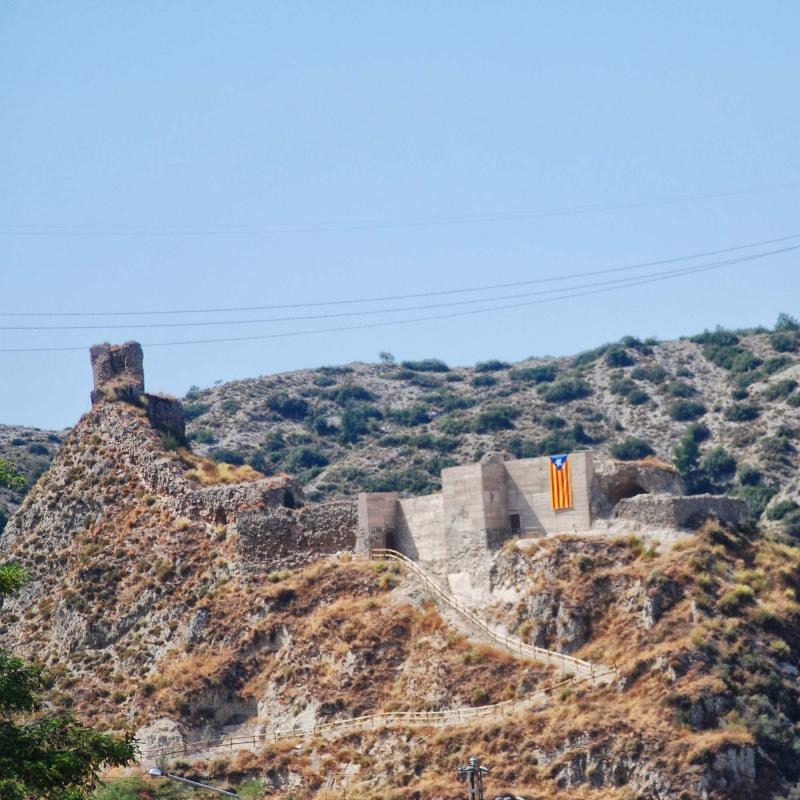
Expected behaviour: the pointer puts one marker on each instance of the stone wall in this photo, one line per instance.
(377, 519)
(420, 522)
(617, 480)
(529, 495)
(118, 372)
(667, 511)
(283, 538)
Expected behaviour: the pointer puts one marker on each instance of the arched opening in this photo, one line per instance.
(391, 541)
(288, 499)
(622, 488)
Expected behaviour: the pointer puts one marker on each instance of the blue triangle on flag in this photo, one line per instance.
(559, 461)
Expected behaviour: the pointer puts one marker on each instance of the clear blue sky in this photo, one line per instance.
(144, 116)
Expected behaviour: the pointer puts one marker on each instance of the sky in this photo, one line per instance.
(182, 155)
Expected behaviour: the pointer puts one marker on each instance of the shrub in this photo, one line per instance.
(742, 412)
(495, 418)
(228, 455)
(780, 390)
(776, 364)
(652, 374)
(303, 458)
(749, 475)
(744, 361)
(617, 356)
(684, 410)
(410, 417)
(553, 422)
(588, 356)
(638, 397)
(493, 365)
(623, 386)
(38, 449)
(355, 421)
(781, 509)
(565, 390)
(286, 406)
(203, 436)
(194, 410)
(739, 595)
(426, 365)
(413, 480)
(719, 338)
(544, 373)
(169, 441)
(680, 389)
(483, 380)
(352, 393)
(784, 341)
(631, 449)
(230, 406)
(757, 497)
(791, 524)
(719, 464)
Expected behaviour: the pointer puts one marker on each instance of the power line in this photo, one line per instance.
(364, 326)
(415, 295)
(621, 282)
(359, 225)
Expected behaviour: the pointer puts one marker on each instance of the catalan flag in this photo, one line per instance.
(560, 483)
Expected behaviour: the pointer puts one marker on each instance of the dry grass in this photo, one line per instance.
(207, 472)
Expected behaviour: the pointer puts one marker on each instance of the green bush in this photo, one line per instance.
(480, 381)
(742, 412)
(544, 373)
(553, 422)
(781, 509)
(791, 524)
(617, 356)
(304, 458)
(410, 417)
(745, 361)
(565, 390)
(776, 364)
(286, 406)
(426, 365)
(749, 475)
(651, 373)
(202, 436)
(413, 480)
(638, 397)
(495, 418)
(756, 497)
(230, 406)
(733, 600)
(493, 365)
(784, 341)
(356, 421)
(622, 386)
(194, 410)
(448, 401)
(679, 389)
(353, 393)
(228, 455)
(685, 410)
(631, 449)
(718, 464)
(779, 390)
(589, 356)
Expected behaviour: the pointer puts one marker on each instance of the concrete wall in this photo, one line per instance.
(420, 523)
(528, 486)
(377, 517)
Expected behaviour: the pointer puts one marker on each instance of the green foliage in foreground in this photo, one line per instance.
(42, 756)
(9, 476)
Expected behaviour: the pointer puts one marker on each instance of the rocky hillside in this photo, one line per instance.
(153, 610)
(729, 399)
(30, 450)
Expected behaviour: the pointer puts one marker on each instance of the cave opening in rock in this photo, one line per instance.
(622, 488)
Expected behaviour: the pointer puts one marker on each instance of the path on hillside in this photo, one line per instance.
(580, 671)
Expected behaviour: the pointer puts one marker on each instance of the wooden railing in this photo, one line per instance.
(580, 671)
(562, 661)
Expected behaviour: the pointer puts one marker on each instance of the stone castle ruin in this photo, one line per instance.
(452, 533)
(118, 372)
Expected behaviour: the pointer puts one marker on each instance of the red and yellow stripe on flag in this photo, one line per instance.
(560, 483)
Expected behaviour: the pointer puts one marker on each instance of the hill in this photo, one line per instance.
(731, 396)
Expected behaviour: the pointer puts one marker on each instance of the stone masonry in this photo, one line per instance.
(118, 372)
(688, 512)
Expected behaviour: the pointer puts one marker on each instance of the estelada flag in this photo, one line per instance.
(560, 483)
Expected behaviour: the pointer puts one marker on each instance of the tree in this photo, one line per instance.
(41, 755)
(387, 359)
(9, 476)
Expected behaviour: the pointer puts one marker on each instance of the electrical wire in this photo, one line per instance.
(410, 296)
(364, 326)
(360, 225)
(307, 317)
